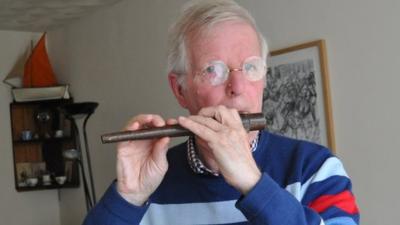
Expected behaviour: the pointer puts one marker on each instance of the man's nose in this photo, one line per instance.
(236, 82)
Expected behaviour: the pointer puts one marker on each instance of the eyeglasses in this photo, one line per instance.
(217, 72)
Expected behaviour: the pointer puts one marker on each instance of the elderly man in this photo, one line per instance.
(222, 175)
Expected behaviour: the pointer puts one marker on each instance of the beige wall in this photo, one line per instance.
(35, 207)
(117, 57)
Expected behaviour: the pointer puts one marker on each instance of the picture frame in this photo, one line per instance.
(297, 100)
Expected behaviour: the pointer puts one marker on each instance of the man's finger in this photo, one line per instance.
(197, 128)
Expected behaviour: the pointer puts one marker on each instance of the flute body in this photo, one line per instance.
(253, 121)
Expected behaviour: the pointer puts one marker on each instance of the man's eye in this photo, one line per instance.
(249, 67)
(210, 69)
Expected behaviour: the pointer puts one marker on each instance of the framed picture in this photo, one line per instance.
(296, 101)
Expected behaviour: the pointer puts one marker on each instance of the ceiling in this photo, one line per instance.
(44, 15)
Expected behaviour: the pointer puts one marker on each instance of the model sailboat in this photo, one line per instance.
(15, 76)
(36, 77)
(38, 71)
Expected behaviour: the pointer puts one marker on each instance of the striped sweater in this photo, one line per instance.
(302, 183)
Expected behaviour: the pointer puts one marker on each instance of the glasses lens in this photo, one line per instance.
(215, 72)
(254, 68)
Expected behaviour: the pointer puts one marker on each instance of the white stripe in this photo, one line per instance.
(331, 167)
(340, 221)
(193, 213)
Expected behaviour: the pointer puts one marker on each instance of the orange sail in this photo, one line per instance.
(38, 71)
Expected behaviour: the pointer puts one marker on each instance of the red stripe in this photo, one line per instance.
(344, 201)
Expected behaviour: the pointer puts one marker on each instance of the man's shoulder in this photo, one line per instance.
(279, 144)
(290, 160)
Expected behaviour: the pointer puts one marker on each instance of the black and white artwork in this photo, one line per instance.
(296, 101)
(290, 101)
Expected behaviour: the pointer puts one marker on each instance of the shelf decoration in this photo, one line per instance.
(35, 80)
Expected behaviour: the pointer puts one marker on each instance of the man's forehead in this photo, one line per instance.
(237, 38)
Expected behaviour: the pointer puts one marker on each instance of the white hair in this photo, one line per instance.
(199, 16)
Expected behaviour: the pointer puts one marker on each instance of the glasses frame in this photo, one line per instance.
(201, 74)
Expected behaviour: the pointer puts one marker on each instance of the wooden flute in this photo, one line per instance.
(252, 121)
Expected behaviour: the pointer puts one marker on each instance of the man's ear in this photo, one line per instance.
(177, 89)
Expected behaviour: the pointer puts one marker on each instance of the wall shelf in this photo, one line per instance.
(40, 154)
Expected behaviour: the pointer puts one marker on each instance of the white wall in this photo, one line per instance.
(117, 57)
(16, 208)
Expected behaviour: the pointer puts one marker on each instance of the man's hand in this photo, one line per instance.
(220, 135)
(141, 165)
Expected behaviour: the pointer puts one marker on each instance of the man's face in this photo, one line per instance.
(231, 42)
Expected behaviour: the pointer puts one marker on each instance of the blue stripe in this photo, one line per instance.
(334, 212)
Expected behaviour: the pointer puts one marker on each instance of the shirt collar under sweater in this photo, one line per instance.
(198, 166)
